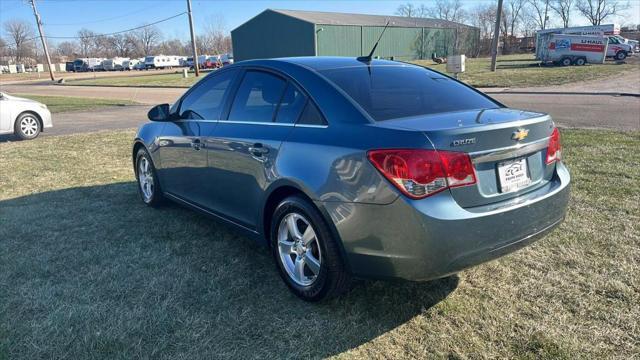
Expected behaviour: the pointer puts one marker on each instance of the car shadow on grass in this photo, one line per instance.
(101, 275)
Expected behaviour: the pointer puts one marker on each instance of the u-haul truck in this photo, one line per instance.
(617, 49)
(563, 49)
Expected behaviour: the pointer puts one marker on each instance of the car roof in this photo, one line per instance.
(320, 63)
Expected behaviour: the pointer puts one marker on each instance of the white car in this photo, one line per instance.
(23, 117)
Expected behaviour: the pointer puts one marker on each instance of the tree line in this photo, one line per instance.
(20, 43)
(519, 18)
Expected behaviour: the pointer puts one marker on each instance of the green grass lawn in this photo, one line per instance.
(58, 104)
(144, 79)
(523, 71)
(87, 271)
(513, 71)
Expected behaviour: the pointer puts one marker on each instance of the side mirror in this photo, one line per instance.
(159, 113)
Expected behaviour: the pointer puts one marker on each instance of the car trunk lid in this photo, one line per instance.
(507, 148)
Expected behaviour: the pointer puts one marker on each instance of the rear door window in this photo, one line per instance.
(257, 97)
(291, 105)
(396, 91)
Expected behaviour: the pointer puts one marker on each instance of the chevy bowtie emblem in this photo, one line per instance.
(520, 134)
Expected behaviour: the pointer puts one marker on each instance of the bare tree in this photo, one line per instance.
(597, 10)
(86, 42)
(122, 45)
(539, 12)
(21, 36)
(451, 10)
(68, 49)
(563, 9)
(483, 16)
(511, 20)
(411, 10)
(148, 37)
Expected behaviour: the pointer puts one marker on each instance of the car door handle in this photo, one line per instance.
(196, 144)
(258, 150)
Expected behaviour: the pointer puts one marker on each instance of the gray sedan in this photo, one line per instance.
(347, 168)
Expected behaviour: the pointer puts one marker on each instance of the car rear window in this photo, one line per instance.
(391, 92)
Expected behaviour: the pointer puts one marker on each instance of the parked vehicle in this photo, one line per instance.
(69, 66)
(635, 44)
(618, 49)
(350, 168)
(227, 59)
(565, 50)
(115, 64)
(87, 64)
(24, 118)
(129, 64)
(162, 62)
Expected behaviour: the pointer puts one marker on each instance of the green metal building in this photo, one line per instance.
(283, 33)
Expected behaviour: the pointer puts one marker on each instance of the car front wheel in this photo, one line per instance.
(27, 126)
(148, 185)
(621, 55)
(306, 254)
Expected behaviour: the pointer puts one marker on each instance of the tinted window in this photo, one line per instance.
(311, 115)
(257, 97)
(389, 92)
(291, 105)
(207, 98)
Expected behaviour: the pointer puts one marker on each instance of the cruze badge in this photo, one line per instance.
(520, 134)
(459, 142)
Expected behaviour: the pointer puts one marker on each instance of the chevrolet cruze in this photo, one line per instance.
(347, 168)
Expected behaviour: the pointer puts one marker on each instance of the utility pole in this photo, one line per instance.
(496, 36)
(44, 42)
(193, 41)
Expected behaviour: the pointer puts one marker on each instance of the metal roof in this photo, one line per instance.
(333, 18)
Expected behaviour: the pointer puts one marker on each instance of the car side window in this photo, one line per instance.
(311, 115)
(206, 101)
(257, 97)
(291, 105)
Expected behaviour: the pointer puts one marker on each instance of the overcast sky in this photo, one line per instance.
(66, 17)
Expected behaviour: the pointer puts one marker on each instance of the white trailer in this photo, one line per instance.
(617, 49)
(130, 64)
(162, 61)
(87, 64)
(563, 49)
(114, 64)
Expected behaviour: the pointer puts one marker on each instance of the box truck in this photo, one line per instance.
(565, 50)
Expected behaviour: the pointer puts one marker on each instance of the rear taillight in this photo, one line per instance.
(554, 150)
(420, 173)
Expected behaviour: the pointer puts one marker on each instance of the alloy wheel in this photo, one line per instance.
(145, 178)
(298, 249)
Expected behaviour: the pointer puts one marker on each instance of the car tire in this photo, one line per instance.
(309, 262)
(621, 55)
(147, 179)
(580, 61)
(565, 62)
(27, 126)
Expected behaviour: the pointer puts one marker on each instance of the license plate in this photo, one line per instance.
(513, 175)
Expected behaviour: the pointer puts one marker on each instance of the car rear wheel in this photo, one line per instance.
(580, 61)
(565, 62)
(306, 254)
(148, 185)
(621, 55)
(27, 126)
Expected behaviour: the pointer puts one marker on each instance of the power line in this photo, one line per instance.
(105, 34)
(118, 32)
(103, 20)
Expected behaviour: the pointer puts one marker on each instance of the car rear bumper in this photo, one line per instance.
(434, 237)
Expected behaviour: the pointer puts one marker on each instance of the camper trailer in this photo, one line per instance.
(130, 64)
(87, 64)
(565, 50)
(162, 62)
(114, 64)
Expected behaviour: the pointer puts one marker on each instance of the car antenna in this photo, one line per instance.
(368, 58)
